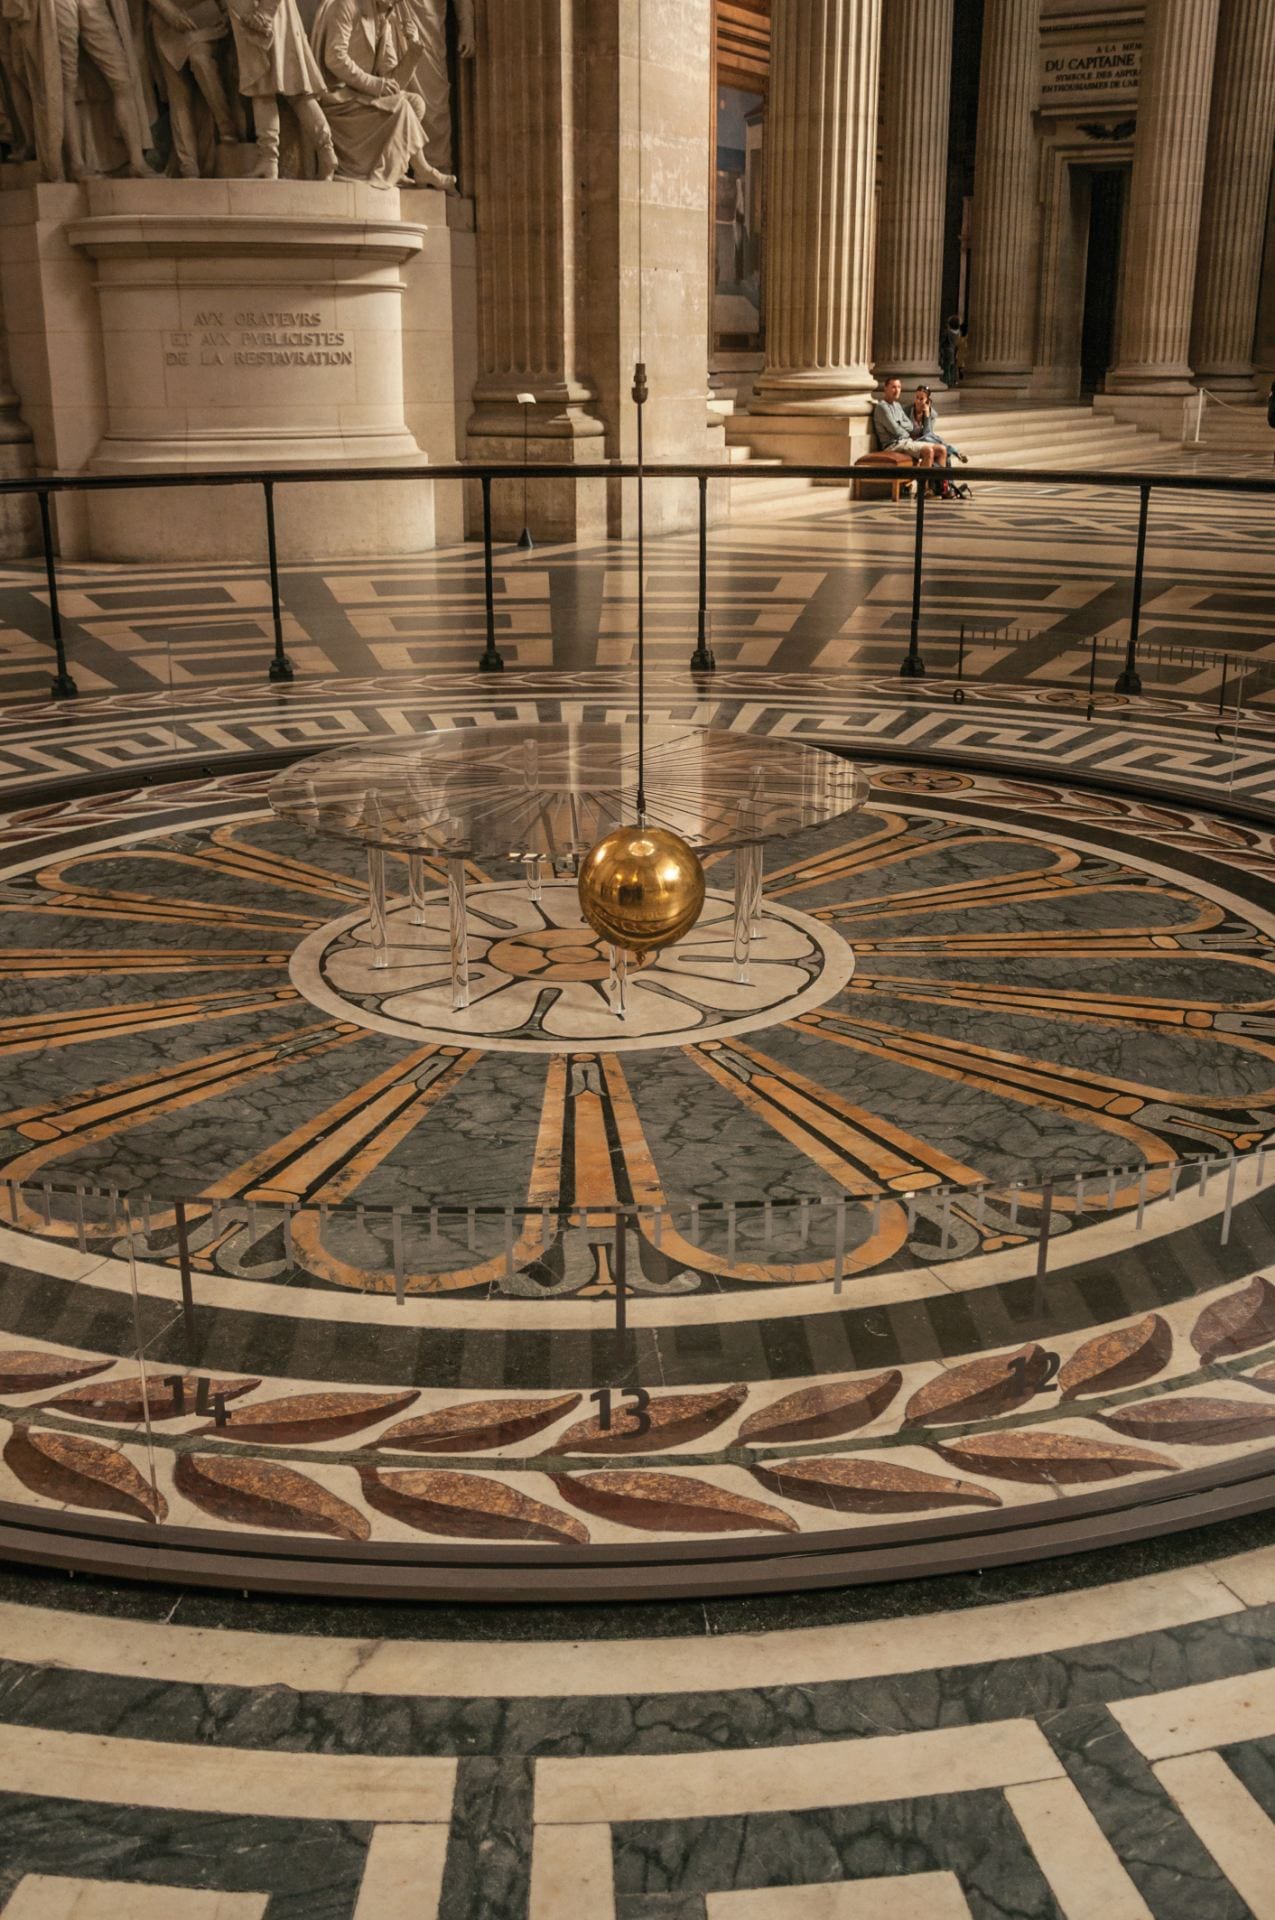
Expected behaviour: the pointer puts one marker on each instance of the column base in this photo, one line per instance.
(832, 392)
(804, 439)
(552, 510)
(1242, 379)
(1011, 383)
(19, 515)
(1158, 380)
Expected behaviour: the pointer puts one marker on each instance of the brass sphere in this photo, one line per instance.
(641, 887)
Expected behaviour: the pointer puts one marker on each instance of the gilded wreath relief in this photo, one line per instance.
(308, 89)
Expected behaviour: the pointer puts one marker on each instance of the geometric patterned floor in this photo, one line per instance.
(1049, 912)
(978, 1746)
(1035, 574)
(1059, 998)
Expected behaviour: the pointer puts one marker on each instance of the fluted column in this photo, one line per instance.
(916, 55)
(1236, 181)
(527, 82)
(524, 91)
(1002, 304)
(820, 183)
(1165, 194)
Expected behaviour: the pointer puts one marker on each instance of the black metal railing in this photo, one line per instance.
(701, 661)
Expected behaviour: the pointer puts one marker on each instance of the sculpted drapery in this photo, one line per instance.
(102, 86)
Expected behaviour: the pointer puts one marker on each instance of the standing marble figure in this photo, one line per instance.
(186, 50)
(275, 58)
(429, 75)
(102, 31)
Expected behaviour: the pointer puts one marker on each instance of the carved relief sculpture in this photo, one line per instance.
(275, 58)
(186, 46)
(378, 124)
(60, 38)
(371, 95)
(15, 75)
(429, 75)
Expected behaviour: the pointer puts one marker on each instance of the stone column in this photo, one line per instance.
(1236, 181)
(1165, 194)
(592, 228)
(528, 91)
(820, 179)
(916, 48)
(1002, 344)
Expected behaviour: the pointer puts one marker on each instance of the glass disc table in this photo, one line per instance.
(537, 793)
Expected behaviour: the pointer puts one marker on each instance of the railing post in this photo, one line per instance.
(1130, 681)
(280, 667)
(489, 661)
(913, 667)
(702, 660)
(62, 686)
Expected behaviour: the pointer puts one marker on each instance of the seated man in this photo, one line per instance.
(896, 433)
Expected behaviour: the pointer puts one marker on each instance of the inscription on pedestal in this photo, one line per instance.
(248, 337)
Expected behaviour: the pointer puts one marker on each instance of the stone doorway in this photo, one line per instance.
(1107, 188)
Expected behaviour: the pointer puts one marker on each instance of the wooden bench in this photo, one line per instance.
(897, 466)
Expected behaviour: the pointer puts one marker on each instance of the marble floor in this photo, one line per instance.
(1094, 1740)
(1034, 576)
(940, 1247)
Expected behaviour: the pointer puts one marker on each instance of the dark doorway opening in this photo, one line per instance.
(1102, 276)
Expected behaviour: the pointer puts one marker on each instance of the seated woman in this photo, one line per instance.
(925, 427)
(377, 126)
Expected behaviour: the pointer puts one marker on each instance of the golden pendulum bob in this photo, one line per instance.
(641, 888)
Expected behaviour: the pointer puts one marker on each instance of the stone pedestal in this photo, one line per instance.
(163, 325)
(1002, 273)
(916, 40)
(1236, 184)
(1163, 230)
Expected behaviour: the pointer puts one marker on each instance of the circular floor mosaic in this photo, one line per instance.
(540, 980)
(405, 1248)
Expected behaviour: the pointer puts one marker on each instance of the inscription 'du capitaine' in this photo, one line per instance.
(252, 338)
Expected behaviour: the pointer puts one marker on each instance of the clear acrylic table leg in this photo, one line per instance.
(416, 887)
(617, 981)
(458, 933)
(747, 904)
(376, 906)
(531, 862)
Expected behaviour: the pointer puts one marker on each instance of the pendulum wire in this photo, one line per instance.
(639, 398)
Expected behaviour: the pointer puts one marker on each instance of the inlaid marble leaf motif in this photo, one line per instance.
(121, 1399)
(24, 1370)
(1237, 1322)
(81, 1472)
(1122, 1357)
(821, 1413)
(870, 1486)
(477, 1424)
(1263, 1377)
(1054, 1458)
(673, 1418)
(265, 1493)
(467, 1505)
(670, 1503)
(299, 1417)
(997, 1383)
(1209, 1421)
